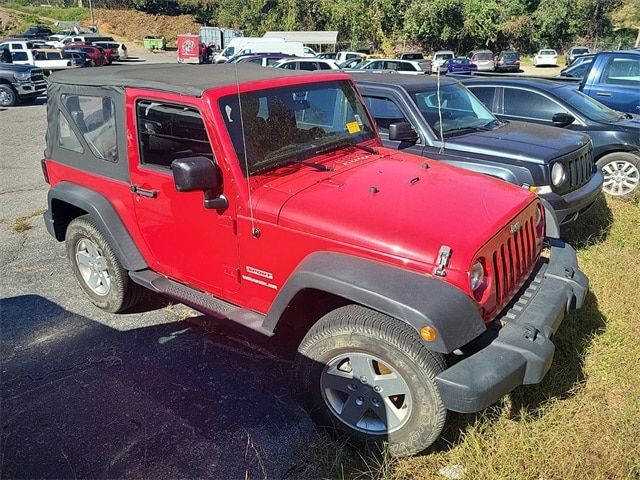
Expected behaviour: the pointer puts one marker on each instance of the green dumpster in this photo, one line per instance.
(152, 43)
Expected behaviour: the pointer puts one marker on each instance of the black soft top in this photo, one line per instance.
(191, 80)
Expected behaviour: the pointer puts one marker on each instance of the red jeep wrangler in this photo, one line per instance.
(271, 202)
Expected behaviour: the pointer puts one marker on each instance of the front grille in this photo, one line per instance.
(579, 167)
(513, 259)
(37, 75)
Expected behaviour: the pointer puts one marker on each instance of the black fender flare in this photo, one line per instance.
(103, 214)
(411, 297)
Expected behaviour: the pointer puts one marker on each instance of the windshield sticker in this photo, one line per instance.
(353, 127)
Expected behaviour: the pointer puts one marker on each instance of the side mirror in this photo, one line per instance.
(562, 119)
(402, 132)
(199, 173)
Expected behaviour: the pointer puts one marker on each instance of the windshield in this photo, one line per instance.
(292, 124)
(589, 107)
(443, 56)
(510, 56)
(460, 111)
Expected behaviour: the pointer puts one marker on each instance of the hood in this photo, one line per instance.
(632, 125)
(16, 68)
(391, 204)
(521, 141)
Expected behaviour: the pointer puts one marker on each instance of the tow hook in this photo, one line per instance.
(530, 333)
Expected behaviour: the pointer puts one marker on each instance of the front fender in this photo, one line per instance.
(416, 299)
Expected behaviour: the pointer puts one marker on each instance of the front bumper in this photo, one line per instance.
(569, 206)
(29, 88)
(522, 351)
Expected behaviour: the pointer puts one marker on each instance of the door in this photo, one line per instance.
(619, 86)
(188, 242)
(529, 106)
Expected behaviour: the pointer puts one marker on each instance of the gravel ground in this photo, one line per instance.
(151, 394)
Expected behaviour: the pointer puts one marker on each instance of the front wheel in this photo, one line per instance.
(368, 377)
(8, 96)
(621, 172)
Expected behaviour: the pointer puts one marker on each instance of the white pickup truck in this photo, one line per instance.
(48, 60)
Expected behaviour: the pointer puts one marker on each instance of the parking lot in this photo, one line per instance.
(89, 394)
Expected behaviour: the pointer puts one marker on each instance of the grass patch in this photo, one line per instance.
(74, 14)
(22, 223)
(583, 420)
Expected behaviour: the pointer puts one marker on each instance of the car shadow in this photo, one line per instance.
(131, 60)
(80, 399)
(591, 228)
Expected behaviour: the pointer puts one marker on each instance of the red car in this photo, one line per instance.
(271, 204)
(96, 54)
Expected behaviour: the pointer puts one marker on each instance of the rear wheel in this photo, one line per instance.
(8, 96)
(621, 172)
(97, 268)
(368, 376)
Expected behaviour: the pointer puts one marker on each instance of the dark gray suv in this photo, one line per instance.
(455, 127)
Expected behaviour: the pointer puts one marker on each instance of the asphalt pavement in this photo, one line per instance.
(163, 393)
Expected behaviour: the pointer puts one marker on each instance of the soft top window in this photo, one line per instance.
(94, 117)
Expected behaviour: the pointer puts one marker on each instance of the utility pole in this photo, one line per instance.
(93, 22)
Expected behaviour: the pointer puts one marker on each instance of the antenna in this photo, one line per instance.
(439, 109)
(254, 230)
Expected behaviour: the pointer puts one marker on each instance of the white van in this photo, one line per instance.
(246, 45)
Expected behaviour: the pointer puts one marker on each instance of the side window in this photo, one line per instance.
(391, 65)
(167, 132)
(94, 118)
(67, 137)
(257, 61)
(17, 46)
(19, 56)
(324, 66)
(374, 66)
(290, 66)
(385, 112)
(522, 103)
(271, 61)
(406, 67)
(39, 55)
(310, 66)
(485, 95)
(623, 71)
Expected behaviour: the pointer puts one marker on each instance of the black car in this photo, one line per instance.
(615, 135)
(579, 67)
(37, 31)
(449, 124)
(79, 58)
(507, 61)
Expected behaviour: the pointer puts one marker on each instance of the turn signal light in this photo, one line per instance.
(428, 333)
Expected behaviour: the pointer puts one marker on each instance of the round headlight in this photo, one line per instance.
(476, 276)
(558, 175)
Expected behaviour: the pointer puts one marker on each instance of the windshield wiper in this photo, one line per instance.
(318, 166)
(467, 129)
(346, 143)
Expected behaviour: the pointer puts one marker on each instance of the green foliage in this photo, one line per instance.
(526, 25)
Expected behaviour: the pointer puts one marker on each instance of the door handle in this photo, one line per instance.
(603, 94)
(143, 192)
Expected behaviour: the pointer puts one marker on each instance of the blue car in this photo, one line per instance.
(458, 65)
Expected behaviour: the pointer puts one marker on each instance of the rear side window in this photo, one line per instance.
(523, 103)
(485, 95)
(310, 66)
(167, 132)
(385, 112)
(406, 67)
(94, 118)
(19, 56)
(324, 66)
(623, 71)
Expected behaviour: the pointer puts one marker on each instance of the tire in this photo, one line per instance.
(8, 96)
(351, 340)
(621, 172)
(97, 269)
